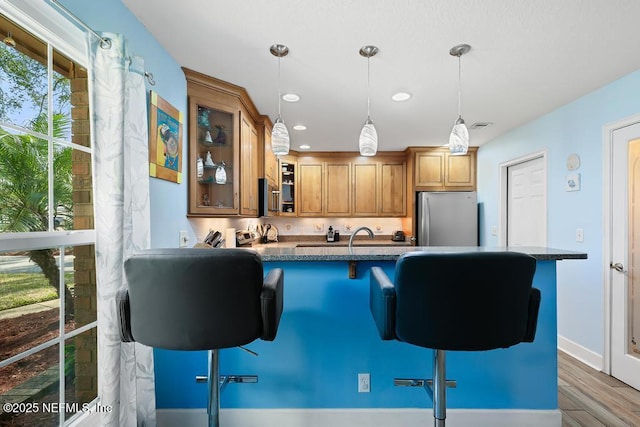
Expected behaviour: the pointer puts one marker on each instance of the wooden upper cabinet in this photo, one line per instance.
(213, 144)
(324, 187)
(393, 189)
(338, 189)
(270, 159)
(248, 167)
(310, 189)
(365, 189)
(461, 171)
(437, 170)
(429, 169)
(225, 125)
(379, 188)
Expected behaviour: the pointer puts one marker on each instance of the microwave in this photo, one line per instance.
(268, 198)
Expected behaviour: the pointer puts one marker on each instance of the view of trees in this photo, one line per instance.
(24, 158)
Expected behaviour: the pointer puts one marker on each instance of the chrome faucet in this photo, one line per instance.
(367, 229)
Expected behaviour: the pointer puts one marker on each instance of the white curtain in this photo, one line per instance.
(121, 192)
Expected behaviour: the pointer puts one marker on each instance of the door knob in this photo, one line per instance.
(617, 267)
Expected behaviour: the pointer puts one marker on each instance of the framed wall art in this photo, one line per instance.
(165, 139)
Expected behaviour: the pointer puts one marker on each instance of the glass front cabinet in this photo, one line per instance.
(213, 158)
(226, 151)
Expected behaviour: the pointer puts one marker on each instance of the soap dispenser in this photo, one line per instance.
(330, 234)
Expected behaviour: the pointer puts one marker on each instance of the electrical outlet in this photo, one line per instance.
(494, 230)
(579, 235)
(184, 238)
(364, 383)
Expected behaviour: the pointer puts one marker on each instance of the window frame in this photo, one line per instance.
(46, 23)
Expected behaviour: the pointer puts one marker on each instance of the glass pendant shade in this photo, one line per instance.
(368, 142)
(459, 138)
(279, 138)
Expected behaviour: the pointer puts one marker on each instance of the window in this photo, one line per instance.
(48, 313)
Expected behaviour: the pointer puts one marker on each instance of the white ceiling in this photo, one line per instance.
(528, 57)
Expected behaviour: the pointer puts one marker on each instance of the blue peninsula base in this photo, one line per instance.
(327, 336)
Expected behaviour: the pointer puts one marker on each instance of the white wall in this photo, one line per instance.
(574, 128)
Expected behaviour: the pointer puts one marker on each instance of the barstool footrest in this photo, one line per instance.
(419, 382)
(224, 379)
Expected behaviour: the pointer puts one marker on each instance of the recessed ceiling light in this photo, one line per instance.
(401, 96)
(305, 146)
(300, 127)
(290, 97)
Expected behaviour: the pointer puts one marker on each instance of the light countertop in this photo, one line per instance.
(290, 251)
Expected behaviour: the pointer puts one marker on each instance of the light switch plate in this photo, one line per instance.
(184, 239)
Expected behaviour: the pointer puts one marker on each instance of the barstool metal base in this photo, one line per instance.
(216, 383)
(436, 388)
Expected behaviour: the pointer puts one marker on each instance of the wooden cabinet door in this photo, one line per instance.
(213, 134)
(430, 169)
(393, 190)
(461, 171)
(365, 189)
(338, 189)
(249, 167)
(310, 189)
(270, 159)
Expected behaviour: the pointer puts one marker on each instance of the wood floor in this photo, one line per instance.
(590, 398)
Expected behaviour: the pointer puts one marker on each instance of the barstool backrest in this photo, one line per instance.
(465, 301)
(195, 299)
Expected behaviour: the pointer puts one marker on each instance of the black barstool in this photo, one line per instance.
(468, 301)
(200, 299)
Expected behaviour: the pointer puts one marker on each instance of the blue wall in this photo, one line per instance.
(575, 128)
(168, 200)
(327, 336)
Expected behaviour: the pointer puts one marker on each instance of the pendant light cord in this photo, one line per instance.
(279, 58)
(459, 86)
(368, 87)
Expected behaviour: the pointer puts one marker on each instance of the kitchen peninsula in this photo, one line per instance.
(308, 375)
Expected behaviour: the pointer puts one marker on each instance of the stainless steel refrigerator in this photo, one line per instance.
(447, 218)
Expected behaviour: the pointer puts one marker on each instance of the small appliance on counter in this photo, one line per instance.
(330, 235)
(398, 236)
(244, 237)
(333, 235)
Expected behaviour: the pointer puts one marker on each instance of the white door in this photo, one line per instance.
(625, 255)
(527, 203)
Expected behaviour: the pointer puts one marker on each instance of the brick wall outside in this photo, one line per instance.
(86, 355)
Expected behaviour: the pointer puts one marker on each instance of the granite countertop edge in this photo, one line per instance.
(386, 253)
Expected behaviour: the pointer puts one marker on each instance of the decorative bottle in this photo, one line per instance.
(200, 167)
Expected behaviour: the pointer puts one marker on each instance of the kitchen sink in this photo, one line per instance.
(346, 243)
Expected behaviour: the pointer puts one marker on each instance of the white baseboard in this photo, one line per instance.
(581, 353)
(360, 417)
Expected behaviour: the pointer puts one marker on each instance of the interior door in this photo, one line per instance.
(625, 255)
(527, 203)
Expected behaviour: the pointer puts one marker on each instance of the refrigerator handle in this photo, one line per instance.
(427, 220)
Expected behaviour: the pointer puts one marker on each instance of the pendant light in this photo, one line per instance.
(368, 142)
(279, 133)
(459, 138)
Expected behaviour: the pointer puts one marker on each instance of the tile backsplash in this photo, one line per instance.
(288, 226)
